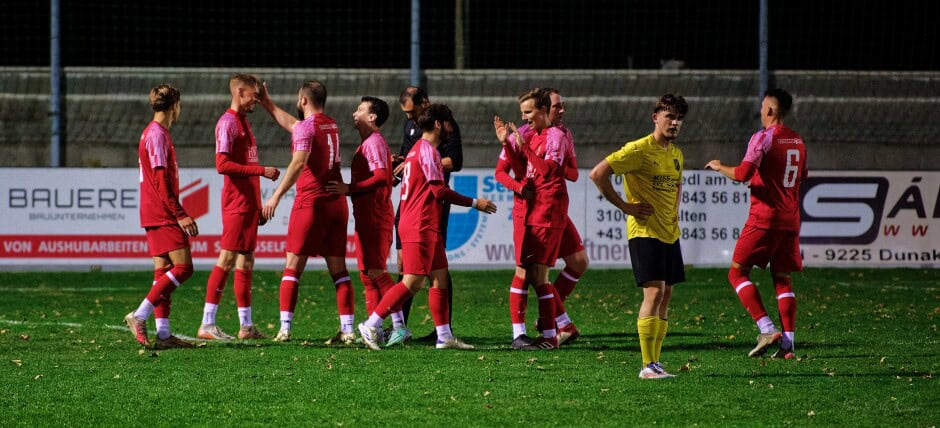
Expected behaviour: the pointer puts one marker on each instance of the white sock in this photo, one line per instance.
(144, 310)
(244, 316)
(346, 323)
(208, 313)
(163, 328)
(787, 340)
(548, 334)
(518, 330)
(286, 319)
(374, 321)
(443, 333)
(766, 325)
(398, 319)
(563, 320)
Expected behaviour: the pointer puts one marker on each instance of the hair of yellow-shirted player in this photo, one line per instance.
(164, 97)
(672, 102)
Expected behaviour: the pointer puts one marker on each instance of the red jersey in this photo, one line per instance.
(319, 135)
(159, 178)
(374, 206)
(242, 189)
(420, 210)
(779, 157)
(546, 153)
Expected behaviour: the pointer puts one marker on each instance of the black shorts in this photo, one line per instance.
(655, 260)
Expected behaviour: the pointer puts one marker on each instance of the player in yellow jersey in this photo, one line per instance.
(652, 170)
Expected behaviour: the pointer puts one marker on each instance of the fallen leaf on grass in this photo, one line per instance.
(19, 363)
(486, 393)
(39, 376)
(810, 413)
(24, 336)
(685, 368)
(482, 357)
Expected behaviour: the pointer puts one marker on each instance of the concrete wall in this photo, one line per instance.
(850, 120)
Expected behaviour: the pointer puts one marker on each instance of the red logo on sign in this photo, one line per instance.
(195, 199)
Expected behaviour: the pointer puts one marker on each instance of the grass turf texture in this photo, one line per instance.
(867, 344)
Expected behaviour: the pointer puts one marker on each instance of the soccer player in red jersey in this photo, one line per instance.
(545, 149)
(371, 192)
(318, 218)
(236, 157)
(422, 193)
(775, 164)
(572, 247)
(162, 216)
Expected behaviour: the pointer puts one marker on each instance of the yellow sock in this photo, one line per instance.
(661, 326)
(646, 329)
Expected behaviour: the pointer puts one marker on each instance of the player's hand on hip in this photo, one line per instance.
(714, 165)
(269, 206)
(641, 210)
(271, 172)
(485, 205)
(189, 226)
(337, 187)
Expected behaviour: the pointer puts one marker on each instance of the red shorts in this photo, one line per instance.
(318, 230)
(540, 245)
(240, 231)
(163, 239)
(758, 247)
(421, 258)
(570, 240)
(373, 246)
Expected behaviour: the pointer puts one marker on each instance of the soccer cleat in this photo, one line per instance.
(522, 341)
(138, 328)
(764, 341)
(342, 338)
(653, 371)
(453, 343)
(429, 338)
(250, 332)
(542, 344)
(784, 353)
(282, 336)
(397, 336)
(370, 336)
(172, 342)
(568, 334)
(661, 370)
(212, 332)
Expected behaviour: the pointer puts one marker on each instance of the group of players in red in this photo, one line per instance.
(535, 162)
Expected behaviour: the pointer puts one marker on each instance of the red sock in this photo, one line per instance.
(162, 310)
(371, 292)
(290, 282)
(167, 283)
(565, 283)
(440, 308)
(385, 284)
(242, 288)
(215, 285)
(518, 299)
(559, 306)
(393, 299)
(345, 298)
(546, 293)
(747, 293)
(786, 302)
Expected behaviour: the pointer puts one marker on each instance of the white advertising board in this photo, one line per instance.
(89, 217)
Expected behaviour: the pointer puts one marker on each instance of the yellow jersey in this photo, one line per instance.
(652, 174)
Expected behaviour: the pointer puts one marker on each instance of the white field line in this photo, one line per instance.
(77, 325)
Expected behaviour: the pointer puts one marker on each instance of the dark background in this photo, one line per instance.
(804, 35)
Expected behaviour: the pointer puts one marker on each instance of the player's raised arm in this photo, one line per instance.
(280, 116)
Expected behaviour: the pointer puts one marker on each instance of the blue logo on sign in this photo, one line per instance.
(462, 225)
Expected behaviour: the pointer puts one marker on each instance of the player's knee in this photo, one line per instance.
(182, 272)
(578, 262)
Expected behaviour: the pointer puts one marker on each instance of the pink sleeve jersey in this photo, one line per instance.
(420, 211)
(550, 208)
(319, 135)
(373, 207)
(233, 136)
(779, 155)
(156, 151)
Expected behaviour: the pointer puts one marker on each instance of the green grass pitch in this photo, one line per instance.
(867, 344)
